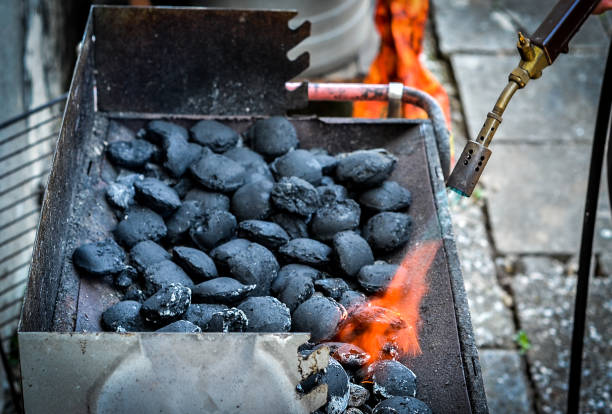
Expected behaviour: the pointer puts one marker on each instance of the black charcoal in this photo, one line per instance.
(158, 196)
(157, 131)
(376, 277)
(294, 225)
(266, 314)
(101, 258)
(123, 316)
(320, 316)
(253, 163)
(165, 273)
(181, 326)
(296, 290)
(200, 314)
(306, 251)
(146, 253)
(213, 228)
(332, 193)
(217, 172)
(179, 155)
(195, 262)
(332, 287)
(327, 180)
(252, 201)
(223, 290)
(254, 265)
(349, 355)
(266, 233)
(222, 253)
(167, 305)
(352, 298)
(388, 231)
(126, 277)
(140, 224)
(338, 390)
(401, 405)
(359, 395)
(354, 410)
(292, 271)
(228, 320)
(353, 252)
(328, 163)
(209, 200)
(180, 222)
(295, 195)
(214, 135)
(135, 293)
(130, 154)
(392, 379)
(365, 168)
(298, 163)
(183, 186)
(333, 218)
(273, 137)
(390, 196)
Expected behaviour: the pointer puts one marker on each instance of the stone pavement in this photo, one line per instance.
(519, 235)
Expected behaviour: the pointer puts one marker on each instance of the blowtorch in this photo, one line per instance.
(537, 52)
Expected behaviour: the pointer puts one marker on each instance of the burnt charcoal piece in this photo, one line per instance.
(390, 196)
(201, 313)
(167, 305)
(126, 277)
(376, 277)
(182, 186)
(353, 252)
(222, 253)
(352, 298)
(292, 271)
(208, 200)
(218, 173)
(214, 135)
(164, 273)
(147, 253)
(118, 131)
(349, 355)
(179, 155)
(334, 218)
(354, 410)
(388, 231)
(100, 258)
(254, 164)
(213, 228)
(180, 222)
(295, 195)
(332, 193)
(294, 225)
(365, 168)
(392, 379)
(273, 137)
(298, 163)
(254, 265)
(252, 201)
(328, 163)
(296, 290)
(157, 131)
(266, 314)
(155, 194)
(223, 290)
(333, 287)
(359, 395)
(306, 251)
(130, 154)
(195, 262)
(120, 193)
(123, 316)
(338, 390)
(228, 320)
(320, 316)
(138, 225)
(401, 405)
(135, 293)
(181, 326)
(269, 234)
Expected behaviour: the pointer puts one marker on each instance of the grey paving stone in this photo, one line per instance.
(491, 317)
(505, 382)
(545, 300)
(546, 109)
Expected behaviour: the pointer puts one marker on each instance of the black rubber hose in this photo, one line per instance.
(588, 228)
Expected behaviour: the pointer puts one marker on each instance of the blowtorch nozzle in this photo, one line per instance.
(468, 169)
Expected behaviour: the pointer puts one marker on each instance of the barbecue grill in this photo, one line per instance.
(184, 65)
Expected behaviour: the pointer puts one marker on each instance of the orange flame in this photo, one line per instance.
(386, 326)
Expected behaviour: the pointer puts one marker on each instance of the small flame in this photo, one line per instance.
(386, 327)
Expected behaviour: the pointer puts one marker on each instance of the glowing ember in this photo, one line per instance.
(386, 326)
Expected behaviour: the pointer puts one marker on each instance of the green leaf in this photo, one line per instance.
(522, 340)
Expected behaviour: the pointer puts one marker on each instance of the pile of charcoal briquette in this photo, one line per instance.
(219, 232)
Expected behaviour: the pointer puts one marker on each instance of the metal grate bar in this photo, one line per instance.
(29, 129)
(27, 147)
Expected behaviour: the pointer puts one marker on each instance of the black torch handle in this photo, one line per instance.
(561, 25)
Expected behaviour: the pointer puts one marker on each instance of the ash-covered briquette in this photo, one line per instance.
(120, 193)
(123, 316)
(140, 224)
(320, 316)
(294, 225)
(338, 390)
(332, 287)
(293, 271)
(180, 222)
(217, 172)
(327, 162)
(157, 131)
(294, 195)
(164, 273)
(147, 253)
(352, 298)
(126, 277)
(273, 137)
(222, 253)
(153, 193)
(332, 193)
(254, 265)
(228, 320)
(101, 258)
(181, 326)
(212, 229)
(198, 265)
(388, 231)
(335, 217)
(298, 163)
(390, 196)
(179, 155)
(214, 135)
(349, 355)
(208, 200)
(132, 154)
(167, 304)
(269, 234)
(200, 314)
(224, 290)
(401, 405)
(266, 314)
(353, 252)
(358, 395)
(392, 379)
(252, 201)
(253, 163)
(376, 277)
(365, 168)
(306, 251)
(296, 290)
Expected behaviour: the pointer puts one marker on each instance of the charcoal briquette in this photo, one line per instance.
(353, 252)
(353, 410)
(320, 316)
(401, 405)
(119, 132)
(223, 290)
(376, 277)
(164, 273)
(153, 193)
(334, 218)
(295, 195)
(158, 130)
(195, 262)
(228, 320)
(328, 162)
(349, 355)
(100, 258)
(273, 137)
(252, 201)
(358, 395)
(181, 326)
(306, 251)
(135, 293)
(390, 196)
(292, 271)
(332, 287)
(365, 168)
(388, 231)
(222, 253)
(214, 135)
(332, 193)
(294, 225)
(179, 155)
(266, 233)
(140, 224)
(126, 277)
(167, 305)
(392, 379)
(217, 172)
(213, 228)
(326, 180)
(338, 391)
(254, 265)
(132, 154)
(120, 193)
(352, 298)
(253, 163)
(123, 316)
(180, 222)
(147, 253)
(296, 290)
(201, 313)
(298, 163)
(266, 314)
